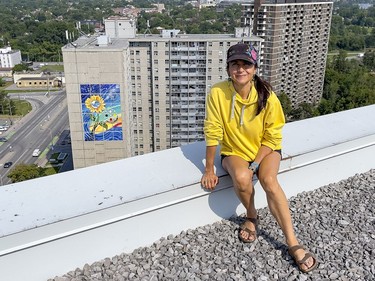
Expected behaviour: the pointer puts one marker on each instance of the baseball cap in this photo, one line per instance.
(242, 51)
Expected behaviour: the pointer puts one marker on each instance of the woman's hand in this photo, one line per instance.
(209, 180)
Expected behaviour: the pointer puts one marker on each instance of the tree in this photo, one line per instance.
(339, 62)
(7, 106)
(369, 60)
(23, 172)
(303, 111)
(2, 82)
(286, 104)
(20, 67)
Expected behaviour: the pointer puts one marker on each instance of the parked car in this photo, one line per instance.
(8, 164)
(3, 140)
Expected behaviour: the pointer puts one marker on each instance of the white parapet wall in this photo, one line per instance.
(52, 225)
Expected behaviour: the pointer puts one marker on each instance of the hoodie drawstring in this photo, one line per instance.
(232, 109)
(242, 113)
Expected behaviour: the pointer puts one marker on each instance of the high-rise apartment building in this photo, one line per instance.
(130, 94)
(9, 58)
(296, 34)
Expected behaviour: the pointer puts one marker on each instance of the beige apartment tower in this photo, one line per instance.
(131, 94)
(296, 35)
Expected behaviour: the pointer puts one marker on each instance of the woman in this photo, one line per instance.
(245, 117)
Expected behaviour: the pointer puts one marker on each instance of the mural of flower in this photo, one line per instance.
(101, 112)
(95, 104)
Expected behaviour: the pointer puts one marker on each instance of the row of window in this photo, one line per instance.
(36, 83)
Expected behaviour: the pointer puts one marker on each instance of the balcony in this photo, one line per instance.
(53, 225)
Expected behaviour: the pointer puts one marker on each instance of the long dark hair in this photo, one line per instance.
(264, 90)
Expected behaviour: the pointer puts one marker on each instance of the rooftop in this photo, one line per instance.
(92, 41)
(131, 203)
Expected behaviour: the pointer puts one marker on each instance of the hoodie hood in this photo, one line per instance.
(251, 99)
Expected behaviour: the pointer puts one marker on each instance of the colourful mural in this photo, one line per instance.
(101, 112)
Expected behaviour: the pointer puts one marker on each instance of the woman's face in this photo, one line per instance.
(241, 72)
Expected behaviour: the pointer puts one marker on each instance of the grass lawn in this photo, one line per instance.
(51, 170)
(349, 53)
(7, 84)
(52, 68)
(33, 90)
(22, 107)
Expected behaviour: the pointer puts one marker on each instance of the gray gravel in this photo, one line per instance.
(336, 222)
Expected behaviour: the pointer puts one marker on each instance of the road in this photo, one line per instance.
(42, 128)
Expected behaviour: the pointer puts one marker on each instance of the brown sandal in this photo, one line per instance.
(292, 251)
(250, 232)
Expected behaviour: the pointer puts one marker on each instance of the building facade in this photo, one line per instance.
(145, 93)
(9, 58)
(296, 35)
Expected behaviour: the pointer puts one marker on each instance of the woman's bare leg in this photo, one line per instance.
(278, 203)
(243, 186)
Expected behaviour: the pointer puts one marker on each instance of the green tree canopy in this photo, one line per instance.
(286, 104)
(20, 67)
(22, 172)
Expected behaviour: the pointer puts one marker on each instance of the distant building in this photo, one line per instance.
(6, 72)
(207, 3)
(26, 74)
(9, 58)
(130, 94)
(296, 35)
(222, 5)
(365, 6)
(39, 82)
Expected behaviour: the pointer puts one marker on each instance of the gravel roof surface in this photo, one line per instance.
(336, 222)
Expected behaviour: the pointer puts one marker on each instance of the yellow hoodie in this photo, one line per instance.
(231, 122)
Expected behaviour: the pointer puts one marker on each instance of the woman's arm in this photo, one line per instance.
(209, 179)
(262, 152)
